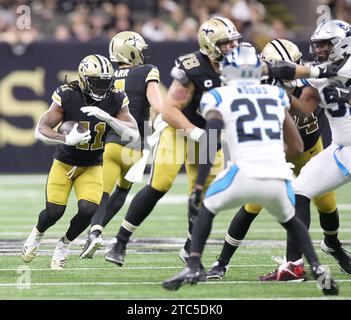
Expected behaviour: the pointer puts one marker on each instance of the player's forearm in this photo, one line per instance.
(174, 117)
(48, 135)
(127, 130)
(301, 108)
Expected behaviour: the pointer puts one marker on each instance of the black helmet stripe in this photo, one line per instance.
(103, 63)
(281, 50)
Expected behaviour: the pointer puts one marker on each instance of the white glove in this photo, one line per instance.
(74, 137)
(96, 112)
(196, 133)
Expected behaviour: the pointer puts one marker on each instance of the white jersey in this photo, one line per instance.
(338, 114)
(253, 117)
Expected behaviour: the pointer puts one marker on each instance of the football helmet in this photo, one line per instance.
(242, 63)
(96, 76)
(338, 33)
(126, 47)
(281, 49)
(213, 33)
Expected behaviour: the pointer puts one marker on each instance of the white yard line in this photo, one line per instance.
(128, 283)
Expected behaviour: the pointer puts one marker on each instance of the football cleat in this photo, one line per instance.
(93, 243)
(286, 271)
(342, 256)
(117, 253)
(217, 271)
(60, 256)
(187, 275)
(183, 255)
(31, 245)
(324, 281)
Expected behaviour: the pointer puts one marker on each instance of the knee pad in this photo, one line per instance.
(86, 207)
(326, 203)
(54, 211)
(253, 208)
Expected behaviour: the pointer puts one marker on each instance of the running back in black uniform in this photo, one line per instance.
(94, 103)
(70, 99)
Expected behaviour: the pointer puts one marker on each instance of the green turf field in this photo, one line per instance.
(152, 256)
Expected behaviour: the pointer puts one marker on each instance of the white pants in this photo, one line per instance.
(325, 172)
(232, 188)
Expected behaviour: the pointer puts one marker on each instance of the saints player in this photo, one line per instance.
(310, 131)
(92, 102)
(258, 171)
(193, 74)
(141, 83)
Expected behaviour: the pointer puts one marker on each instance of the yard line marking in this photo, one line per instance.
(56, 284)
(147, 268)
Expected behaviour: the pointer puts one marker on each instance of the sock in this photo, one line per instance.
(299, 235)
(201, 230)
(194, 262)
(114, 204)
(81, 220)
(330, 225)
(236, 232)
(49, 216)
(100, 212)
(140, 207)
(302, 211)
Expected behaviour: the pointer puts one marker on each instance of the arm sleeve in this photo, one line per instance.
(153, 75)
(210, 101)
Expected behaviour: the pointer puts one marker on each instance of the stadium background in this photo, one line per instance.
(40, 46)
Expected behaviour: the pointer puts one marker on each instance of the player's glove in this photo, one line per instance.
(327, 71)
(337, 94)
(96, 112)
(280, 69)
(194, 205)
(74, 137)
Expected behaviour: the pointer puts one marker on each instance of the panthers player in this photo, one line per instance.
(255, 118)
(93, 103)
(193, 74)
(141, 83)
(309, 129)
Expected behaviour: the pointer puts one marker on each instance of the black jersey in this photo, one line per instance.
(309, 127)
(134, 80)
(196, 67)
(71, 100)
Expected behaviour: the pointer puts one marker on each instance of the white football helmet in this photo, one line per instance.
(338, 33)
(242, 63)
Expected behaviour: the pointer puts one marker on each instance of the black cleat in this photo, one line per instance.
(117, 253)
(217, 271)
(187, 275)
(342, 256)
(325, 281)
(92, 243)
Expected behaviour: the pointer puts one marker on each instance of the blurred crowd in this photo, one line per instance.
(156, 20)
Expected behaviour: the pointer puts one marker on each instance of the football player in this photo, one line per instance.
(258, 170)
(141, 83)
(309, 129)
(193, 74)
(94, 103)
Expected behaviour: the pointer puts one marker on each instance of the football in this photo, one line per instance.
(66, 127)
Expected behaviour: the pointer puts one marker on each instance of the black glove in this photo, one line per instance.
(332, 93)
(328, 71)
(194, 204)
(282, 70)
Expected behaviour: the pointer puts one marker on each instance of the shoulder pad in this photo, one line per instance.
(180, 75)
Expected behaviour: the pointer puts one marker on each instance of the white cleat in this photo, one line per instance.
(31, 245)
(59, 259)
